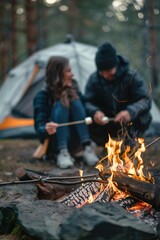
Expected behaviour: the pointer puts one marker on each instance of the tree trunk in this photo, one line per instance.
(42, 26)
(13, 33)
(31, 30)
(3, 45)
(152, 36)
(73, 26)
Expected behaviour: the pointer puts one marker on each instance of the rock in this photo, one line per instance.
(42, 219)
(104, 221)
(10, 196)
(17, 193)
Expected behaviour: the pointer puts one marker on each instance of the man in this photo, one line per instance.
(117, 92)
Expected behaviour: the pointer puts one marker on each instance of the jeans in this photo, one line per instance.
(70, 135)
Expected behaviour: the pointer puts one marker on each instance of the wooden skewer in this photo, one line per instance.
(87, 120)
(70, 123)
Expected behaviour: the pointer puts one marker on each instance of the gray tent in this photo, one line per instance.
(23, 82)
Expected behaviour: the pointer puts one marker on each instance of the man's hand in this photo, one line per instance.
(123, 117)
(51, 127)
(98, 118)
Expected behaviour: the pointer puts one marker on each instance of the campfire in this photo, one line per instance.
(123, 178)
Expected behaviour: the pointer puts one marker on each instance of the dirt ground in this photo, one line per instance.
(18, 153)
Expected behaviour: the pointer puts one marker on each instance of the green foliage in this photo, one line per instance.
(7, 220)
(19, 233)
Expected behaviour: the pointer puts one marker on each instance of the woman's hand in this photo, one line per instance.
(123, 117)
(51, 127)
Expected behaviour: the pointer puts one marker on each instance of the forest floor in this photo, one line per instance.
(17, 153)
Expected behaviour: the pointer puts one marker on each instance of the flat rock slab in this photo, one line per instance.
(104, 221)
(14, 194)
(42, 219)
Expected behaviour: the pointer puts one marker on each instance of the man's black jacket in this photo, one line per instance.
(125, 92)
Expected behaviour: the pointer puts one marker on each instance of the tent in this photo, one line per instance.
(23, 82)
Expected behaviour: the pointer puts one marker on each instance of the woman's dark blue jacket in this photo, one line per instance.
(42, 105)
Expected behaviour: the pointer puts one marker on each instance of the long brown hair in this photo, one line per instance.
(55, 78)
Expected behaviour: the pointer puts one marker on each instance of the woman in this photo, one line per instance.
(60, 102)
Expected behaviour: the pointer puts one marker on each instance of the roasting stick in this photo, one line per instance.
(157, 139)
(51, 176)
(48, 180)
(87, 121)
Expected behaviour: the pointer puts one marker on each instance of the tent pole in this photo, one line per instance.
(34, 73)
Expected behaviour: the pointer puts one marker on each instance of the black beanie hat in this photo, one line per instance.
(106, 57)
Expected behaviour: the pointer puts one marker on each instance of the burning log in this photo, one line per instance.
(144, 191)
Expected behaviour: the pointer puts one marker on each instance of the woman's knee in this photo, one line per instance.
(59, 110)
(78, 108)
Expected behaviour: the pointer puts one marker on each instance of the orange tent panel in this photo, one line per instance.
(12, 122)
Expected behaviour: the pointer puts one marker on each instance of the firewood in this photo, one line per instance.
(141, 190)
(52, 192)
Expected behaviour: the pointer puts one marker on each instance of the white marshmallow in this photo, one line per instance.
(105, 119)
(88, 120)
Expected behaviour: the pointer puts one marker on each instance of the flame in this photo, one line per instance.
(80, 172)
(81, 175)
(119, 196)
(127, 162)
(90, 199)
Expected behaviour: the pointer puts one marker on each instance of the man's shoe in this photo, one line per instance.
(64, 159)
(89, 156)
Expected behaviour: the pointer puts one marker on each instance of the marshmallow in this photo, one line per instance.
(105, 119)
(88, 120)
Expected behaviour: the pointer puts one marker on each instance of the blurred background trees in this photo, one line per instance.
(132, 26)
